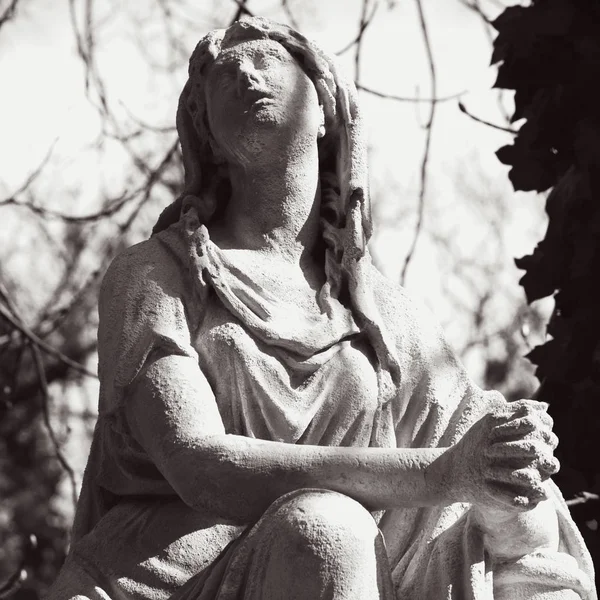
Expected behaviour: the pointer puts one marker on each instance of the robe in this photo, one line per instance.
(277, 374)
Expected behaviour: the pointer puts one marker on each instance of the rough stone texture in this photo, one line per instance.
(276, 419)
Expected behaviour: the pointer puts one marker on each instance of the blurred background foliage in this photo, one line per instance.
(90, 157)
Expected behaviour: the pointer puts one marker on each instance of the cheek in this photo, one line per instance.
(221, 119)
(307, 101)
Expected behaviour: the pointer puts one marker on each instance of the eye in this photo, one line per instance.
(264, 61)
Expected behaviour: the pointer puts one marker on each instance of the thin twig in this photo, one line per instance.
(476, 8)
(583, 498)
(51, 320)
(488, 28)
(413, 99)
(31, 177)
(290, 14)
(464, 110)
(41, 373)
(144, 125)
(34, 339)
(242, 10)
(113, 207)
(361, 32)
(152, 180)
(13, 583)
(429, 130)
(5, 296)
(364, 24)
(9, 13)
(177, 47)
(85, 49)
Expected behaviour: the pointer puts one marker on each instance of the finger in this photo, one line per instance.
(513, 496)
(519, 427)
(542, 439)
(514, 427)
(523, 408)
(547, 466)
(527, 480)
(526, 454)
(535, 444)
(530, 405)
(525, 450)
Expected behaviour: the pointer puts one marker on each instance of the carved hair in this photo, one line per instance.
(207, 185)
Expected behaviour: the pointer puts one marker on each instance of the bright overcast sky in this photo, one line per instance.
(42, 100)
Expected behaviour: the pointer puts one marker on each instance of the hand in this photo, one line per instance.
(500, 464)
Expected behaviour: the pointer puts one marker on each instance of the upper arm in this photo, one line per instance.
(170, 407)
(149, 372)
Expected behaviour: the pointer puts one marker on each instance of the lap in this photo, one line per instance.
(144, 549)
(163, 550)
(310, 543)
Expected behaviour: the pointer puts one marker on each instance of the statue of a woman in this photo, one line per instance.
(276, 419)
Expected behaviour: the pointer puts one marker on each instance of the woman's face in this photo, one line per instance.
(258, 98)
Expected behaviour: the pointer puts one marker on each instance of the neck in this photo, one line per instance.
(274, 207)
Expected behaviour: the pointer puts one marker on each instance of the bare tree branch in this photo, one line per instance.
(144, 125)
(31, 177)
(41, 373)
(113, 207)
(290, 15)
(13, 583)
(464, 110)
(9, 12)
(475, 6)
(175, 44)
(364, 24)
(242, 10)
(415, 99)
(429, 130)
(34, 339)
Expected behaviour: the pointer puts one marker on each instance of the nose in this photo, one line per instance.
(248, 76)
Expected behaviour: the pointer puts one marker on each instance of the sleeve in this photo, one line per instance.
(145, 309)
(437, 549)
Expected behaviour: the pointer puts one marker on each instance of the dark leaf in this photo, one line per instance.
(509, 18)
(506, 154)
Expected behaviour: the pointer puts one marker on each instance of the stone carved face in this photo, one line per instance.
(258, 100)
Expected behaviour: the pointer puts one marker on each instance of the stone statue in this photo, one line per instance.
(276, 419)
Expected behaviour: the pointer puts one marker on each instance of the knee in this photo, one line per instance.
(314, 518)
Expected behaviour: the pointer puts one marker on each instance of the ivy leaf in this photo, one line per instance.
(543, 274)
(523, 98)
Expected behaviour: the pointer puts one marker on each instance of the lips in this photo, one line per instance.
(253, 95)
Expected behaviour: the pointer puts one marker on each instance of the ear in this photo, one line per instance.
(321, 130)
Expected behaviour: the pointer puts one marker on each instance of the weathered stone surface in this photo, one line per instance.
(276, 419)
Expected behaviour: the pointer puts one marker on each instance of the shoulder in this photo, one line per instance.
(155, 266)
(405, 316)
(147, 302)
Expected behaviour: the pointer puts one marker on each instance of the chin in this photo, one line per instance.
(266, 114)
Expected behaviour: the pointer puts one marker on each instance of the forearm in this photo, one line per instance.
(173, 416)
(240, 477)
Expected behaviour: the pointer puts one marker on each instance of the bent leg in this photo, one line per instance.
(309, 545)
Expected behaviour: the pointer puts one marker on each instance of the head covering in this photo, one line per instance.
(346, 222)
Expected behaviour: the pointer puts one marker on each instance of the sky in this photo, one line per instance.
(459, 255)
(43, 103)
